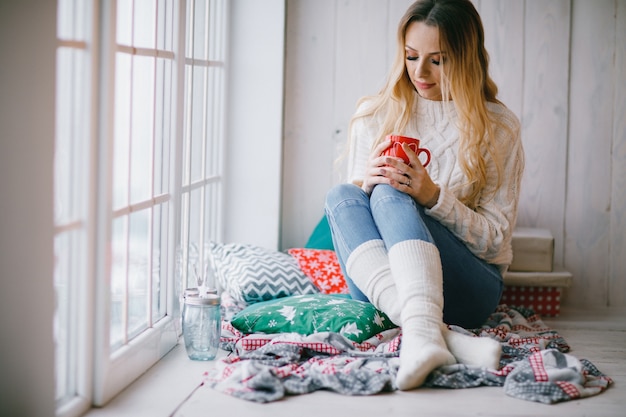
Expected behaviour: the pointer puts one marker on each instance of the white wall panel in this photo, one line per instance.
(309, 148)
(560, 66)
(362, 47)
(617, 252)
(545, 115)
(254, 126)
(504, 40)
(587, 213)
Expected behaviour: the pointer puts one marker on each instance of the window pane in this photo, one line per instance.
(165, 17)
(163, 126)
(62, 328)
(159, 261)
(142, 123)
(187, 133)
(72, 20)
(212, 212)
(192, 242)
(195, 232)
(140, 246)
(64, 143)
(70, 267)
(83, 25)
(198, 122)
(64, 19)
(121, 146)
(218, 36)
(119, 291)
(182, 250)
(200, 29)
(214, 116)
(124, 22)
(72, 136)
(144, 35)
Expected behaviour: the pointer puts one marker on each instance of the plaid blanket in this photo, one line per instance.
(534, 366)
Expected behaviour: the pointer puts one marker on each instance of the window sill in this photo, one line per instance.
(160, 390)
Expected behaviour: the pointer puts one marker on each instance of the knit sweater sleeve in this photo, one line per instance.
(487, 230)
(363, 135)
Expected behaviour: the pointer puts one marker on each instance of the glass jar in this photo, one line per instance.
(201, 326)
(187, 293)
(195, 292)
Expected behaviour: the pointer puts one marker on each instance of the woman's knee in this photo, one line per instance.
(384, 191)
(343, 192)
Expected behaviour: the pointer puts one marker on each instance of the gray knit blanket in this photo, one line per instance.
(534, 365)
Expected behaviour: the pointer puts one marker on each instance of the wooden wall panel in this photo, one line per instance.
(361, 63)
(544, 117)
(617, 259)
(366, 45)
(308, 127)
(560, 66)
(504, 40)
(397, 8)
(587, 218)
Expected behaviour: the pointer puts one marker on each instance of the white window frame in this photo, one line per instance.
(202, 175)
(101, 371)
(116, 368)
(74, 371)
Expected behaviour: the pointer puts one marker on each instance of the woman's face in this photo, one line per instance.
(423, 59)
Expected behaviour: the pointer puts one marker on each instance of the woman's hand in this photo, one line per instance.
(411, 179)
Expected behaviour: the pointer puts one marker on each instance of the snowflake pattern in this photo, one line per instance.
(379, 320)
(310, 314)
(322, 267)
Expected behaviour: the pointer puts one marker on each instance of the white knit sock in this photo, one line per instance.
(416, 269)
(474, 351)
(368, 267)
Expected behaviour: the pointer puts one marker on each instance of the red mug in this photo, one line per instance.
(395, 149)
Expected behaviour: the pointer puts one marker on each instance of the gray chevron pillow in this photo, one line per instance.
(252, 274)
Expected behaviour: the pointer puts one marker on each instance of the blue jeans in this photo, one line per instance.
(471, 287)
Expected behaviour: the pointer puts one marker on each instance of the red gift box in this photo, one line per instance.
(538, 291)
(546, 301)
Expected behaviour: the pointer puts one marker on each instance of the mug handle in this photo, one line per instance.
(419, 151)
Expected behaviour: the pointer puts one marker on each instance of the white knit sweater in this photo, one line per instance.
(487, 230)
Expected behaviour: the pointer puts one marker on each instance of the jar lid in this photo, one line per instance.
(196, 291)
(191, 291)
(209, 299)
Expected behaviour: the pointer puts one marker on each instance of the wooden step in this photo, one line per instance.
(559, 277)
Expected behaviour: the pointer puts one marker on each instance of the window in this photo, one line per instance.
(142, 149)
(73, 215)
(137, 184)
(202, 174)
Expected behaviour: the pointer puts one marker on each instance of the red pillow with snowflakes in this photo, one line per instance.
(322, 267)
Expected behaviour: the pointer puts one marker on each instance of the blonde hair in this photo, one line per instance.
(465, 80)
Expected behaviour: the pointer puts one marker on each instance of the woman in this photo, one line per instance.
(410, 237)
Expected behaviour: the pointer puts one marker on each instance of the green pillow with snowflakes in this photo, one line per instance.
(313, 313)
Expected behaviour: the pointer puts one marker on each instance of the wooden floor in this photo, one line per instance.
(599, 336)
